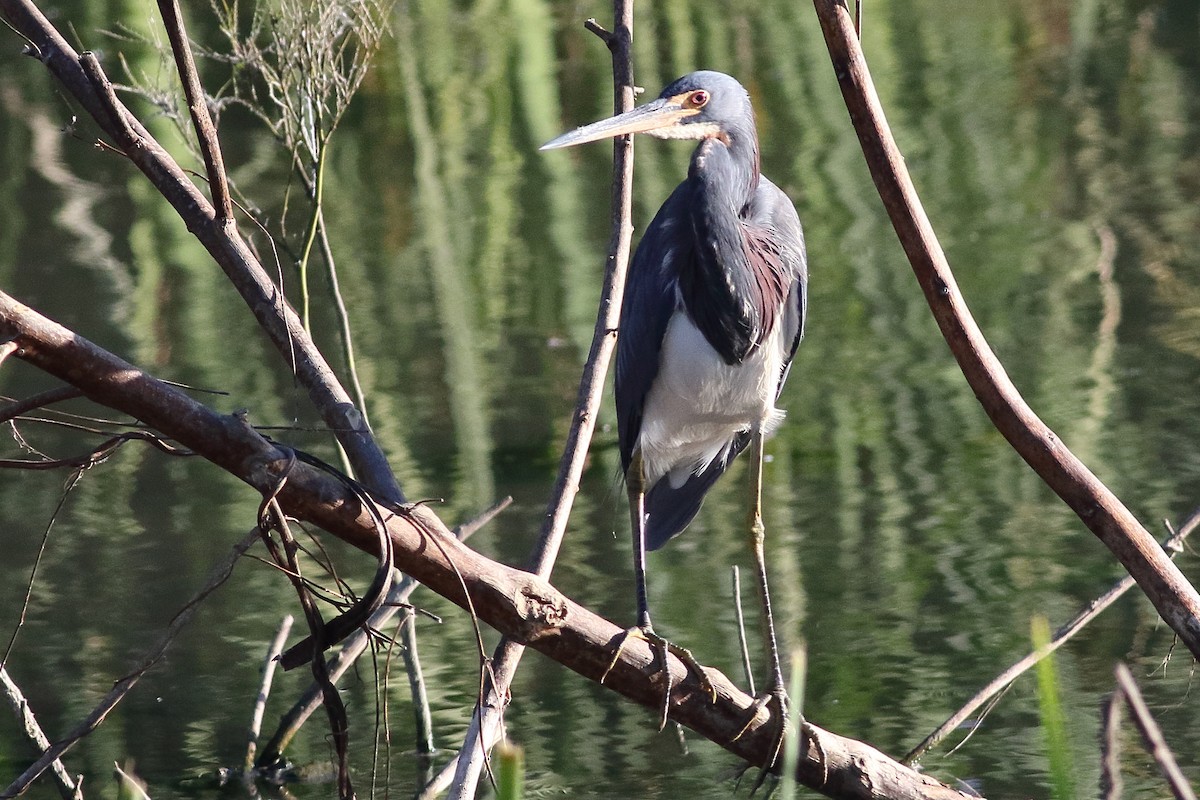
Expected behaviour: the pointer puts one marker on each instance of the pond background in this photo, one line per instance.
(1056, 147)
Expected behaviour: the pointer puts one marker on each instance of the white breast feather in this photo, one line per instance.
(698, 403)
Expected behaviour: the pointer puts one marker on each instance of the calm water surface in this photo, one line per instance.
(1055, 146)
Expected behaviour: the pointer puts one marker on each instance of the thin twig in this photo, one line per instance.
(743, 645)
(67, 786)
(1173, 545)
(37, 561)
(112, 110)
(264, 691)
(206, 132)
(361, 610)
(354, 646)
(1152, 735)
(40, 400)
(339, 724)
(485, 723)
(343, 315)
(129, 785)
(1110, 747)
(95, 456)
(422, 716)
(219, 574)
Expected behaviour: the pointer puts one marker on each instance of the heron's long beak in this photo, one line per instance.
(657, 115)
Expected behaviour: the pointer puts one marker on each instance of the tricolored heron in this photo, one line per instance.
(713, 311)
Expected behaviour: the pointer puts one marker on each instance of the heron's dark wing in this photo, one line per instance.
(650, 300)
(774, 218)
(772, 273)
(670, 509)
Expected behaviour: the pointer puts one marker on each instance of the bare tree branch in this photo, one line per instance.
(1100, 510)
(516, 603)
(206, 132)
(1152, 736)
(219, 236)
(484, 729)
(67, 786)
(264, 691)
(41, 400)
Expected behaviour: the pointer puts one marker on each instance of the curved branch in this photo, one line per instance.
(516, 603)
(1100, 510)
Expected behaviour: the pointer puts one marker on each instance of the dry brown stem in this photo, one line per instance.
(485, 723)
(206, 132)
(1100, 510)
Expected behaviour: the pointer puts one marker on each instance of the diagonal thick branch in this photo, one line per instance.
(485, 722)
(84, 80)
(516, 603)
(1100, 510)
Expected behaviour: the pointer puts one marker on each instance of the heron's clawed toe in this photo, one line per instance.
(777, 704)
(661, 647)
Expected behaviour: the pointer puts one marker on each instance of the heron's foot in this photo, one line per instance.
(661, 647)
(776, 702)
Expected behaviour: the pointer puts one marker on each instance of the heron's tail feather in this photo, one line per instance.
(669, 508)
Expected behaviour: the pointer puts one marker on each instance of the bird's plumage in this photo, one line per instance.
(714, 309)
(713, 312)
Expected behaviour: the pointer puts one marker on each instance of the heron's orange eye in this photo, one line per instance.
(697, 99)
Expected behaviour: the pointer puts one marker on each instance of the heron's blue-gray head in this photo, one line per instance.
(700, 105)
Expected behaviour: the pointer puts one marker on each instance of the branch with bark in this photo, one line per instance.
(519, 604)
(523, 605)
(1097, 507)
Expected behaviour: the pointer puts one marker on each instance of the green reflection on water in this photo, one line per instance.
(1055, 147)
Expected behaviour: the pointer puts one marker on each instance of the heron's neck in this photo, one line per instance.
(718, 285)
(726, 170)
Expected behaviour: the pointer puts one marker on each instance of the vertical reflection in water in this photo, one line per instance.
(79, 202)
(466, 378)
(575, 266)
